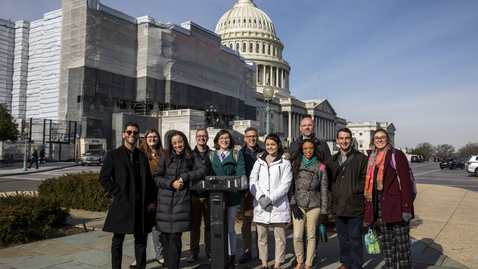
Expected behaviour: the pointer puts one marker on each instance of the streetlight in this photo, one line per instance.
(268, 93)
(77, 146)
(25, 158)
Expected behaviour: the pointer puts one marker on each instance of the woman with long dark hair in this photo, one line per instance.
(153, 148)
(175, 169)
(309, 199)
(388, 195)
(270, 181)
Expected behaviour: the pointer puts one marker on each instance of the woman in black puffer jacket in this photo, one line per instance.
(173, 174)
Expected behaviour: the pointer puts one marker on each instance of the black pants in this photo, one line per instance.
(139, 250)
(34, 160)
(172, 245)
(349, 232)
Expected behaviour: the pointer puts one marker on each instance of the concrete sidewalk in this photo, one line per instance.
(17, 168)
(444, 232)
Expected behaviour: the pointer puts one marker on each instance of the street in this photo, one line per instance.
(430, 173)
(30, 182)
(425, 173)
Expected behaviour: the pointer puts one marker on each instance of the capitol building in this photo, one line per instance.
(79, 73)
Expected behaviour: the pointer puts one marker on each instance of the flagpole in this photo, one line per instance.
(318, 80)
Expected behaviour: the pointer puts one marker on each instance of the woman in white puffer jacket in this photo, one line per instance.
(270, 180)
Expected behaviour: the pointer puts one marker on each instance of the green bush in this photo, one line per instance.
(27, 215)
(78, 191)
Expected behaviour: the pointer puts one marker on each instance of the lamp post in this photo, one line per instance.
(77, 146)
(25, 157)
(268, 93)
(211, 110)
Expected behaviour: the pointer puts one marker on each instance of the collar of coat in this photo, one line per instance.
(195, 150)
(336, 155)
(264, 154)
(313, 138)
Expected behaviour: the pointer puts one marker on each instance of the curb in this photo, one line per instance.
(36, 171)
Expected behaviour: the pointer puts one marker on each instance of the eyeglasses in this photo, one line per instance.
(152, 137)
(201, 136)
(307, 125)
(224, 138)
(379, 137)
(180, 142)
(132, 132)
(250, 136)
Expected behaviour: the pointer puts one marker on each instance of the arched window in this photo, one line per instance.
(230, 46)
(229, 21)
(233, 21)
(255, 21)
(273, 51)
(269, 49)
(249, 20)
(257, 48)
(250, 47)
(264, 48)
(244, 20)
(237, 46)
(243, 47)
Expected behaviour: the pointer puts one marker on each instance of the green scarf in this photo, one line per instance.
(308, 163)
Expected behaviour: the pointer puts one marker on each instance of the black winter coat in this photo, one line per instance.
(174, 208)
(117, 177)
(323, 147)
(348, 188)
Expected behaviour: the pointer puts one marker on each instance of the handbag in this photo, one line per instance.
(371, 241)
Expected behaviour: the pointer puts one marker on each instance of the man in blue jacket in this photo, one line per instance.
(250, 151)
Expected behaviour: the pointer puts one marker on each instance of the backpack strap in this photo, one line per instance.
(394, 165)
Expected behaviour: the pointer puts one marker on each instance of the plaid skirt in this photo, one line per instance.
(395, 242)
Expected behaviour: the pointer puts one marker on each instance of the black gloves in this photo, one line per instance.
(298, 214)
(322, 218)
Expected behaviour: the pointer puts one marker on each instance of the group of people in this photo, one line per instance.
(282, 187)
(34, 157)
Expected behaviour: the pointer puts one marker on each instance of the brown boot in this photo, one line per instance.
(300, 265)
(232, 260)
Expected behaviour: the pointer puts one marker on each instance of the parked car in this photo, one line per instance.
(414, 159)
(451, 163)
(422, 160)
(472, 164)
(93, 156)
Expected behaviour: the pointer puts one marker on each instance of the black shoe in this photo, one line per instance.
(245, 257)
(132, 266)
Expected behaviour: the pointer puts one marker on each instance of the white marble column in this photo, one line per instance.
(276, 73)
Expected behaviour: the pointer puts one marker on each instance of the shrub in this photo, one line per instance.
(78, 191)
(27, 215)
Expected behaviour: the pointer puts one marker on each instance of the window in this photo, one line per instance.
(361, 145)
(269, 49)
(244, 20)
(243, 47)
(249, 20)
(237, 46)
(255, 21)
(360, 134)
(257, 48)
(250, 47)
(233, 21)
(264, 48)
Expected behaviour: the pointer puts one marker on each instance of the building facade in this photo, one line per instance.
(362, 133)
(90, 65)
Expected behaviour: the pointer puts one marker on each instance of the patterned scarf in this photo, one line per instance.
(376, 160)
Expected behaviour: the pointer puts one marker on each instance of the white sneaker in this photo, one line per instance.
(192, 258)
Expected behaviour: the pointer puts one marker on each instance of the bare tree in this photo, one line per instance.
(427, 149)
(445, 150)
(468, 149)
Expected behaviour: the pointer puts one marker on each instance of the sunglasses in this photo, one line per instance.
(132, 132)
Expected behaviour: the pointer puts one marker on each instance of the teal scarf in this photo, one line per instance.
(308, 163)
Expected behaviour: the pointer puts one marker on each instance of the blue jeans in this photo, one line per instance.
(349, 232)
(231, 222)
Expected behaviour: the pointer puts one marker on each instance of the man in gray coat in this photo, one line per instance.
(125, 174)
(347, 173)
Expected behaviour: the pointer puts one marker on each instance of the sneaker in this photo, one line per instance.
(245, 257)
(208, 256)
(192, 258)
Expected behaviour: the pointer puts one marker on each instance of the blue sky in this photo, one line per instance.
(414, 63)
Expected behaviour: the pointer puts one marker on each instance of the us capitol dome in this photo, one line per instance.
(249, 30)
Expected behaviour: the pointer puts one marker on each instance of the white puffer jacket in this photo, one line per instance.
(272, 181)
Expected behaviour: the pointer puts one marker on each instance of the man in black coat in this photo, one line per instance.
(125, 174)
(307, 128)
(34, 158)
(347, 185)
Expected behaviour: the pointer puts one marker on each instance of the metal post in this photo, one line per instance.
(25, 158)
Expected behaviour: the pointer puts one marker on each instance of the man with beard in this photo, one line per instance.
(347, 174)
(125, 174)
(307, 128)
